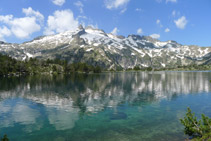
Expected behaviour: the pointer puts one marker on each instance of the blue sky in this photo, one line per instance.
(185, 21)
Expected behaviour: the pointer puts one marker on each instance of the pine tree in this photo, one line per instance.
(4, 138)
(199, 129)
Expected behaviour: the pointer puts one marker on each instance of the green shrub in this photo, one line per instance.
(97, 69)
(4, 138)
(136, 68)
(197, 129)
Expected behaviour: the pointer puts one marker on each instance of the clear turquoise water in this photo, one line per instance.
(109, 106)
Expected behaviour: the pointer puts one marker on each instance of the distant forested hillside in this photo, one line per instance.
(10, 66)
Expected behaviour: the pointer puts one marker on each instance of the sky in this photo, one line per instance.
(186, 21)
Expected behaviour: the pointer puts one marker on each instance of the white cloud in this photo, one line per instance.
(61, 21)
(181, 22)
(158, 22)
(138, 9)
(139, 31)
(123, 10)
(4, 31)
(80, 5)
(159, 1)
(93, 26)
(113, 4)
(174, 13)
(174, 1)
(167, 30)
(31, 12)
(155, 36)
(23, 27)
(81, 17)
(6, 19)
(58, 2)
(115, 31)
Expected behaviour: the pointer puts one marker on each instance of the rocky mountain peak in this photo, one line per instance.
(92, 30)
(96, 47)
(1, 42)
(134, 37)
(149, 38)
(80, 27)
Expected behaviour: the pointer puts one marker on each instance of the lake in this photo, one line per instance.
(123, 106)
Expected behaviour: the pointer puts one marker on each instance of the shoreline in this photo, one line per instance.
(56, 74)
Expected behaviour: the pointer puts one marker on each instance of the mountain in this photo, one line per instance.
(109, 51)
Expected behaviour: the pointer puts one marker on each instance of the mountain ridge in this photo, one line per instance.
(95, 47)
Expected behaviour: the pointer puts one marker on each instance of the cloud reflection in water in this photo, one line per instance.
(64, 98)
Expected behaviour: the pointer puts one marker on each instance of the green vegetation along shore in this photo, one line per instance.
(10, 66)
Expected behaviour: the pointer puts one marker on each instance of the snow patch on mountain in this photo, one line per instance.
(114, 50)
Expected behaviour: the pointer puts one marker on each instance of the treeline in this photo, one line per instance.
(177, 68)
(137, 68)
(10, 66)
(193, 67)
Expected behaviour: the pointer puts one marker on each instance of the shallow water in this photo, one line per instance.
(109, 106)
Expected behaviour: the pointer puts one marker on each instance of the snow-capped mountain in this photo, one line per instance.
(96, 47)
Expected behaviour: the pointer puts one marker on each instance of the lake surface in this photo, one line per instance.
(109, 106)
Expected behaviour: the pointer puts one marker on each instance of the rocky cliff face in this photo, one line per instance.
(96, 47)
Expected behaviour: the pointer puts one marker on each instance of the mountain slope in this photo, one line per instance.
(96, 47)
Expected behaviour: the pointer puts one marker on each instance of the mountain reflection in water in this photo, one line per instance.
(65, 98)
